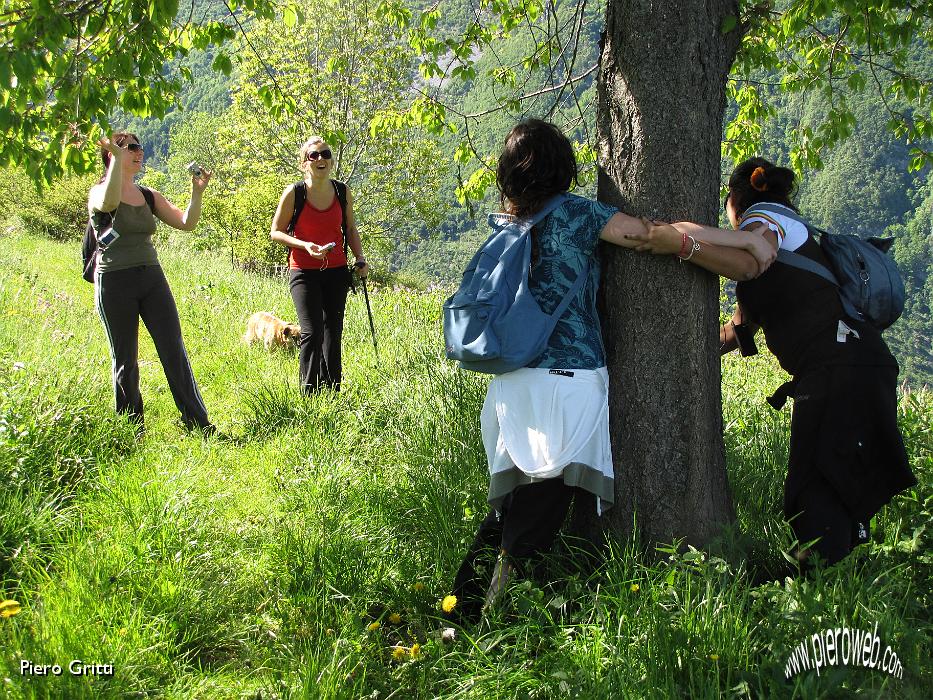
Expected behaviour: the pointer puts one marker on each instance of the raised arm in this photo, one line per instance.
(621, 228)
(176, 218)
(107, 195)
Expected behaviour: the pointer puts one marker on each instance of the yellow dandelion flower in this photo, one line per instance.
(415, 651)
(395, 618)
(9, 608)
(122, 631)
(373, 626)
(399, 653)
(634, 588)
(449, 603)
(418, 587)
(714, 657)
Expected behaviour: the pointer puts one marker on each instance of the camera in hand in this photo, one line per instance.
(745, 339)
(195, 169)
(330, 246)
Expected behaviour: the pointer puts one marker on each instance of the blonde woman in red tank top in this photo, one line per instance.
(319, 276)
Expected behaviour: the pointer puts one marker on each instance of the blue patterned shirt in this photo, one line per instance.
(565, 241)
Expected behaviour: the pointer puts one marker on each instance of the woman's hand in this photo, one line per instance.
(108, 144)
(660, 238)
(315, 250)
(198, 184)
(761, 248)
(361, 268)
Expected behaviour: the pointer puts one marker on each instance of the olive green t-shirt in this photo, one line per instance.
(136, 225)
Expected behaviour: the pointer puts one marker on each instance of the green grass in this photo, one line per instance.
(253, 568)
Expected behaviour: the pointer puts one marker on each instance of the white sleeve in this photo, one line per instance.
(791, 234)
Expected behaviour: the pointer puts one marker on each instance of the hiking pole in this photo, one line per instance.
(369, 312)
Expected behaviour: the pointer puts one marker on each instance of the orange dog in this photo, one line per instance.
(271, 330)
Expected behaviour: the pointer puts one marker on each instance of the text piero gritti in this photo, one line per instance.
(76, 667)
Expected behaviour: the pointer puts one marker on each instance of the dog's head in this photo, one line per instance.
(291, 333)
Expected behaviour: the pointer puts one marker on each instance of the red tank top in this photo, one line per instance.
(321, 226)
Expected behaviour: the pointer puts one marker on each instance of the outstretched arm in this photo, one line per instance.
(733, 254)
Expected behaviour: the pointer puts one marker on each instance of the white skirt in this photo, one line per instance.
(541, 423)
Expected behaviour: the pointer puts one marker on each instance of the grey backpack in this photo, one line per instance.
(870, 285)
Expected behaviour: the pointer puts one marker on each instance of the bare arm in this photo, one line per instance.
(353, 239)
(620, 229)
(727, 340)
(176, 218)
(107, 195)
(280, 222)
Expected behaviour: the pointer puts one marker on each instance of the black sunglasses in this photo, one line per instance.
(134, 147)
(325, 154)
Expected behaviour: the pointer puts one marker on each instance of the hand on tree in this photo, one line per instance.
(660, 238)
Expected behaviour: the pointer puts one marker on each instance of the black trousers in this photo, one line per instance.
(122, 297)
(524, 530)
(822, 516)
(320, 298)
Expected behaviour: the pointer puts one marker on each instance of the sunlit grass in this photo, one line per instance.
(275, 564)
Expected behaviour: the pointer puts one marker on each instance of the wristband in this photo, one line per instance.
(683, 246)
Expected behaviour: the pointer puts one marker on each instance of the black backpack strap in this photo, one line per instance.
(150, 198)
(340, 189)
(300, 190)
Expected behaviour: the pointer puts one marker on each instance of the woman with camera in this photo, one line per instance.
(545, 426)
(847, 457)
(129, 282)
(312, 221)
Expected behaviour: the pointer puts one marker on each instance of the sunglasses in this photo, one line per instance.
(134, 147)
(325, 154)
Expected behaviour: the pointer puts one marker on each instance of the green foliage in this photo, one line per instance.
(60, 210)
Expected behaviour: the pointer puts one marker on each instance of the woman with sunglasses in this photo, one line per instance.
(847, 457)
(129, 282)
(317, 261)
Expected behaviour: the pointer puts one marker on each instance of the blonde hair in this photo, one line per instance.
(306, 148)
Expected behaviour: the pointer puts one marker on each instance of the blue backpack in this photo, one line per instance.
(870, 285)
(493, 324)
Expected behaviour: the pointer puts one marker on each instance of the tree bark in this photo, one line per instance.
(662, 96)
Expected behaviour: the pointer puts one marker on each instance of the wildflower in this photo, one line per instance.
(122, 631)
(373, 626)
(449, 603)
(395, 618)
(415, 651)
(17, 366)
(418, 587)
(714, 657)
(399, 653)
(634, 588)
(329, 631)
(9, 608)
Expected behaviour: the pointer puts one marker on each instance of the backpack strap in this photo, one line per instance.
(794, 259)
(150, 198)
(300, 190)
(340, 189)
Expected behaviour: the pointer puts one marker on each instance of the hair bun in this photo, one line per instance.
(759, 179)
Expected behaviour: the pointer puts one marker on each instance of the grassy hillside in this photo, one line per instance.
(273, 565)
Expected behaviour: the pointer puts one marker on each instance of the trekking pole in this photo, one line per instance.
(369, 312)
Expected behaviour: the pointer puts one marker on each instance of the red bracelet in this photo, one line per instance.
(683, 247)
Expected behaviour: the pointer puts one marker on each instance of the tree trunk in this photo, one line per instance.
(661, 102)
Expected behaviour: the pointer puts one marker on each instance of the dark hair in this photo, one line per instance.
(120, 138)
(537, 162)
(759, 180)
